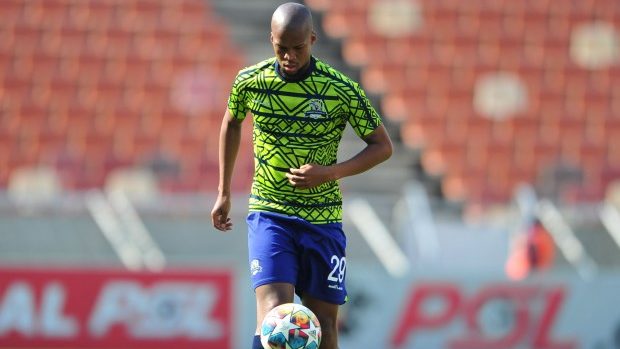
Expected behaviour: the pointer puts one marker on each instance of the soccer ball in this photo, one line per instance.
(290, 326)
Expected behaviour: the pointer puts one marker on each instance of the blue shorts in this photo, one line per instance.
(290, 249)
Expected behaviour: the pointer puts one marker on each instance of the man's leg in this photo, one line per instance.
(327, 313)
(268, 297)
(272, 256)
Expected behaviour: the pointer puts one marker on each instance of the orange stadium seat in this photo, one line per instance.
(427, 81)
(88, 87)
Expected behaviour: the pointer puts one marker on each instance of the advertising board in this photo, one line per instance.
(53, 308)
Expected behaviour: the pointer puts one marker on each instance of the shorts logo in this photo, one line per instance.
(255, 267)
(317, 109)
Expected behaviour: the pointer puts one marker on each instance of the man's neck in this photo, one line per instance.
(301, 74)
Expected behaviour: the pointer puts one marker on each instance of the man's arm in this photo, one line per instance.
(378, 149)
(230, 136)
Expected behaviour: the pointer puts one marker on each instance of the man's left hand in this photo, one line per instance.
(309, 176)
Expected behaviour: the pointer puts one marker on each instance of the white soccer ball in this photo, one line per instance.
(290, 326)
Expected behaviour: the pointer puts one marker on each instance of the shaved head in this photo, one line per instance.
(292, 37)
(291, 17)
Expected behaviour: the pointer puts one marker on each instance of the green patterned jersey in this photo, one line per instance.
(296, 122)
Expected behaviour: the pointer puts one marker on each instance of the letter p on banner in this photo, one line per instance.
(418, 314)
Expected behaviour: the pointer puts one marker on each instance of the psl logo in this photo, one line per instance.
(316, 109)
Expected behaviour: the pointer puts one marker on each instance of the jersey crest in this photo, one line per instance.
(316, 109)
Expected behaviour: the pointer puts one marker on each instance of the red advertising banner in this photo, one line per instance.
(531, 310)
(60, 308)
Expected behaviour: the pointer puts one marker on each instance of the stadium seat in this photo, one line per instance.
(139, 184)
(89, 87)
(33, 184)
(426, 79)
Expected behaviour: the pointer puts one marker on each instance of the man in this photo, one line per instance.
(300, 108)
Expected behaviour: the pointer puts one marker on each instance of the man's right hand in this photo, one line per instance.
(219, 214)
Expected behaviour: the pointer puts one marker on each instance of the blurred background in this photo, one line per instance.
(496, 224)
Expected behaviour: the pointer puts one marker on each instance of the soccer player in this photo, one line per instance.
(300, 107)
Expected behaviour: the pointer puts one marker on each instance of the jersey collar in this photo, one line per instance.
(299, 76)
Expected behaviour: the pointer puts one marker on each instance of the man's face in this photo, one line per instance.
(292, 48)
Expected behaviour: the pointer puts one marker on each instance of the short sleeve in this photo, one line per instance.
(363, 118)
(237, 105)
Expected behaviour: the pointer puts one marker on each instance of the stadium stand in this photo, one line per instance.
(478, 95)
(103, 94)
(493, 93)
(90, 87)
(106, 94)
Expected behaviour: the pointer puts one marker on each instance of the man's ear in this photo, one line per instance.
(271, 37)
(313, 37)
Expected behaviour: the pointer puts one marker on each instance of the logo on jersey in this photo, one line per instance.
(255, 267)
(316, 109)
